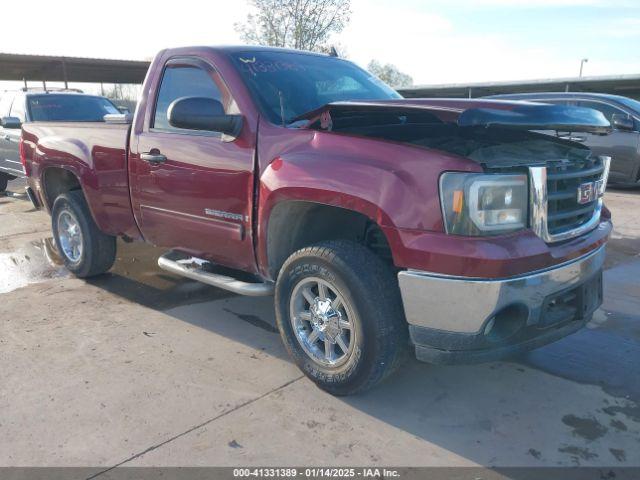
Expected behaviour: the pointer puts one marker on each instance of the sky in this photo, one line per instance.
(434, 41)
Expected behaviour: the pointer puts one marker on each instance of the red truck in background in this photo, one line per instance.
(380, 223)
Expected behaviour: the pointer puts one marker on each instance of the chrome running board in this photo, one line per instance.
(193, 268)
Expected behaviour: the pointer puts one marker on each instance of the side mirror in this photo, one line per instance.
(123, 109)
(620, 121)
(204, 114)
(10, 122)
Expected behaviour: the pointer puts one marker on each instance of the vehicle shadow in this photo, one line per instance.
(136, 277)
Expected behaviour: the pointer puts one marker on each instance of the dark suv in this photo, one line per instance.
(623, 145)
(22, 106)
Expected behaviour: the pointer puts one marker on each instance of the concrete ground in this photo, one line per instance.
(141, 368)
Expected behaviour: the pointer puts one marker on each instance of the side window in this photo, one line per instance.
(5, 104)
(182, 81)
(606, 109)
(17, 109)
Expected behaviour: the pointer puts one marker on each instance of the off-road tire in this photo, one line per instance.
(4, 181)
(371, 288)
(98, 248)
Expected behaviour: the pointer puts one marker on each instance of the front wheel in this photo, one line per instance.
(340, 316)
(85, 250)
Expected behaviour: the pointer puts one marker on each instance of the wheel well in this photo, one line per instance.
(297, 224)
(57, 181)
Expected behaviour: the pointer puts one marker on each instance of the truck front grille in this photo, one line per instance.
(564, 213)
(566, 197)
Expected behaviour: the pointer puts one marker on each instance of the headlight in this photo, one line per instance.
(483, 204)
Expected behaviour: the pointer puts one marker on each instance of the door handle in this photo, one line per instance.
(573, 138)
(153, 158)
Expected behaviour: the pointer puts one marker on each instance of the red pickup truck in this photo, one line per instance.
(448, 226)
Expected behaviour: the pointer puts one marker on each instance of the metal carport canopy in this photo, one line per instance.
(71, 69)
(627, 85)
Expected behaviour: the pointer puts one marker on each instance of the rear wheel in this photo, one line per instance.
(4, 181)
(85, 250)
(340, 316)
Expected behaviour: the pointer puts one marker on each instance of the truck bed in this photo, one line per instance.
(95, 152)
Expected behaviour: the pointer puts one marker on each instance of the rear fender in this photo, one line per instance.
(75, 159)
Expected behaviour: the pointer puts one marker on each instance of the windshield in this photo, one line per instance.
(69, 108)
(287, 84)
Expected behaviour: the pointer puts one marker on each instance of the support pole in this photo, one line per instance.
(44, 85)
(64, 73)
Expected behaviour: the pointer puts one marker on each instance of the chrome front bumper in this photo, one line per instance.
(457, 313)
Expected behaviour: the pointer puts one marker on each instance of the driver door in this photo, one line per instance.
(192, 190)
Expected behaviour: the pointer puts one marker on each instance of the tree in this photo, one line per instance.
(390, 74)
(300, 24)
(122, 95)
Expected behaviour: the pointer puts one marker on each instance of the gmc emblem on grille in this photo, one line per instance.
(588, 192)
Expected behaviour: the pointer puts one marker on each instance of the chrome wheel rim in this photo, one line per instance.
(323, 322)
(70, 236)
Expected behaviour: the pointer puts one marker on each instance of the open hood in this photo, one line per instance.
(496, 134)
(538, 117)
(464, 113)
